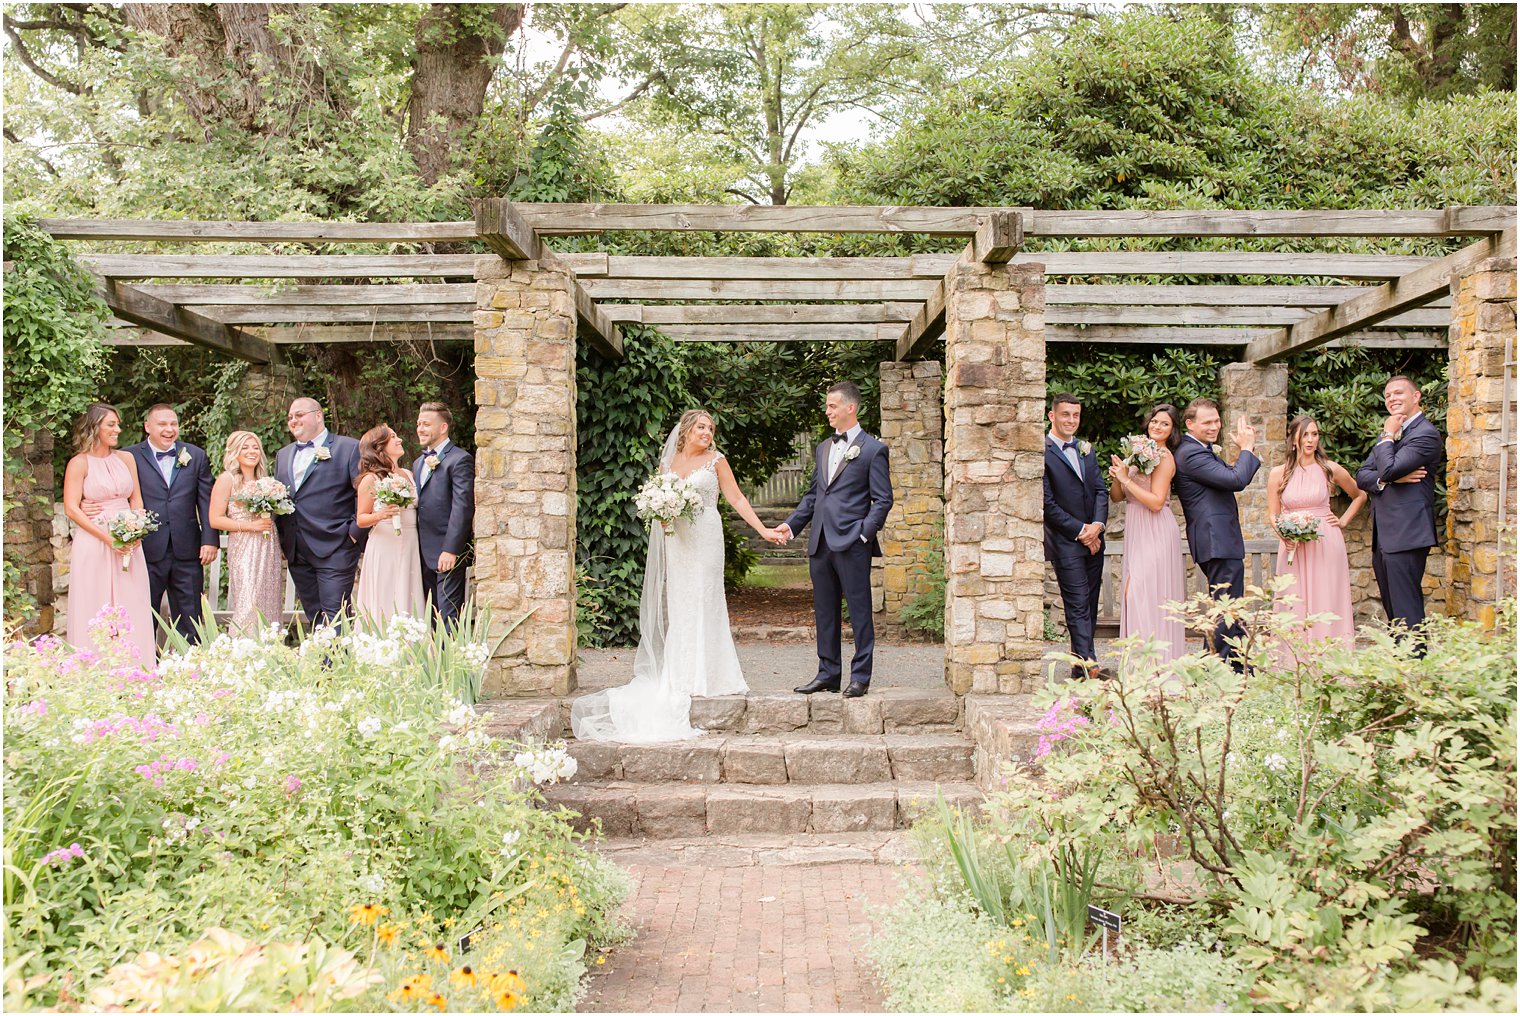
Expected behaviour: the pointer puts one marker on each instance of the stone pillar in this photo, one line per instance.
(1258, 392)
(265, 394)
(994, 540)
(1480, 436)
(29, 531)
(525, 470)
(913, 426)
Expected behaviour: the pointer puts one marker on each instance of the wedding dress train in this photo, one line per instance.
(685, 646)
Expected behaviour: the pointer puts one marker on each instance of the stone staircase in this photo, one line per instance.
(772, 764)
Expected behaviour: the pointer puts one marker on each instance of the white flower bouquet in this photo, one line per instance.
(1296, 528)
(396, 492)
(265, 496)
(1141, 452)
(128, 527)
(665, 498)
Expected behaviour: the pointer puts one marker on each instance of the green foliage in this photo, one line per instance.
(1119, 384)
(624, 410)
(924, 612)
(53, 326)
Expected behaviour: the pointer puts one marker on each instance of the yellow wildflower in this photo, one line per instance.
(1022, 971)
(437, 953)
(464, 977)
(366, 914)
(388, 934)
(511, 981)
(437, 1001)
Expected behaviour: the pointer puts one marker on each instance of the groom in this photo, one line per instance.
(848, 502)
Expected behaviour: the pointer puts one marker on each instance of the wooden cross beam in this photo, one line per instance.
(1380, 304)
(927, 325)
(131, 304)
(998, 237)
(500, 227)
(757, 314)
(593, 325)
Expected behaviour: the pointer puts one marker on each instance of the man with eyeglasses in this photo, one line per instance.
(320, 540)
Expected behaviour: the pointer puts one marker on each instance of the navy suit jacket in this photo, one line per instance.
(854, 503)
(446, 506)
(326, 503)
(183, 506)
(1404, 514)
(1206, 486)
(1071, 502)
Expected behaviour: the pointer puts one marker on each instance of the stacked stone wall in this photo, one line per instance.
(913, 427)
(29, 528)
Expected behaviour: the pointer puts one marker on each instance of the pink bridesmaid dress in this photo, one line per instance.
(390, 576)
(1152, 575)
(1323, 577)
(96, 580)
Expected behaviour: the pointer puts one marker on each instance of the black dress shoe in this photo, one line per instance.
(855, 690)
(816, 684)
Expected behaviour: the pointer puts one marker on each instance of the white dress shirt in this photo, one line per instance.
(426, 472)
(304, 457)
(838, 449)
(165, 466)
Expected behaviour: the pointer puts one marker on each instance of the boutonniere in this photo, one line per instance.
(1398, 435)
(184, 457)
(852, 454)
(322, 452)
(1216, 449)
(1085, 448)
(431, 462)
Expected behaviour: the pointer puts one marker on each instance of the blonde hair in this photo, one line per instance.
(234, 448)
(687, 422)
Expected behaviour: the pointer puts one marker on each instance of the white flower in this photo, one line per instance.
(370, 726)
(476, 654)
(431, 462)
(1084, 447)
(194, 822)
(372, 883)
(1275, 762)
(1216, 449)
(459, 714)
(447, 743)
(184, 457)
(1282, 733)
(402, 727)
(852, 454)
(323, 453)
(546, 765)
(508, 840)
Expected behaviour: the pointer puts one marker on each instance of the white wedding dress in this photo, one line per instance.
(685, 646)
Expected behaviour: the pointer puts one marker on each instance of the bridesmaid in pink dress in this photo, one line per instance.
(1152, 571)
(390, 576)
(255, 565)
(107, 477)
(1302, 484)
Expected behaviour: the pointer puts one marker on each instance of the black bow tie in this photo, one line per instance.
(1069, 444)
(841, 437)
(300, 445)
(164, 455)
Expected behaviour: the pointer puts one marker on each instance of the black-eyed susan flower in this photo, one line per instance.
(511, 981)
(464, 977)
(437, 1001)
(436, 952)
(388, 934)
(505, 1000)
(366, 914)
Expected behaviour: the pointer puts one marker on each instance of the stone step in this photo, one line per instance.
(1006, 730)
(780, 759)
(883, 711)
(666, 811)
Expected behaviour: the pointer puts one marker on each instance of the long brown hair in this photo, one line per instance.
(1175, 437)
(687, 422)
(372, 454)
(1290, 461)
(87, 428)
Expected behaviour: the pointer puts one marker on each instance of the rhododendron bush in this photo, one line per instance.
(240, 823)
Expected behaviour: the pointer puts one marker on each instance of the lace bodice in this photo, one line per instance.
(705, 478)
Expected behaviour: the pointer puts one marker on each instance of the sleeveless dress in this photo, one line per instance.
(1323, 575)
(390, 576)
(699, 657)
(96, 580)
(255, 572)
(1152, 575)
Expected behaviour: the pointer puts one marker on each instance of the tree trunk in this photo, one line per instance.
(456, 47)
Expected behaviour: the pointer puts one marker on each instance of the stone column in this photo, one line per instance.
(525, 470)
(29, 530)
(913, 426)
(1258, 392)
(265, 394)
(994, 541)
(1480, 436)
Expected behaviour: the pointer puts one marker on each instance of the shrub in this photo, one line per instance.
(924, 613)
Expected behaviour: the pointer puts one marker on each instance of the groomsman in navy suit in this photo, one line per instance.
(445, 477)
(1076, 513)
(847, 505)
(1400, 480)
(1207, 486)
(320, 539)
(175, 478)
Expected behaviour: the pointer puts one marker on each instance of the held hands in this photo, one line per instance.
(779, 535)
(1245, 435)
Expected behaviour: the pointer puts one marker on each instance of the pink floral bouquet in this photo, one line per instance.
(1141, 452)
(127, 527)
(1296, 528)
(396, 492)
(265, 496)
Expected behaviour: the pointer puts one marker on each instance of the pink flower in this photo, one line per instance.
(63, 855)
(38, 708)
(292, 783)
(1059, 723)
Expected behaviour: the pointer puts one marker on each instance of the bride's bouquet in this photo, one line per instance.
(265, 496)
(1296, 528)
(665, 498)
(129, 526)
(395, 491)
(1141, 452)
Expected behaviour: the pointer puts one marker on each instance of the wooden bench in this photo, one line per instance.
(1261, 564)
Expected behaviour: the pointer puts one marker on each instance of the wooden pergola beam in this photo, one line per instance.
(131, 304)
(998, 237)
(593, 325)
(1381, 303)
(1202, 263)
(281, 266)
(756, 314)
(1181, 335)
(927, 325)
(788, 290)
(759, 332)
(232, 231)
(1211, 315)
(502, 228)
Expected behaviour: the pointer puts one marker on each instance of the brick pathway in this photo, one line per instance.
(758, 938)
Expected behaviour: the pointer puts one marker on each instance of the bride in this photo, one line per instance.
(683, 583)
